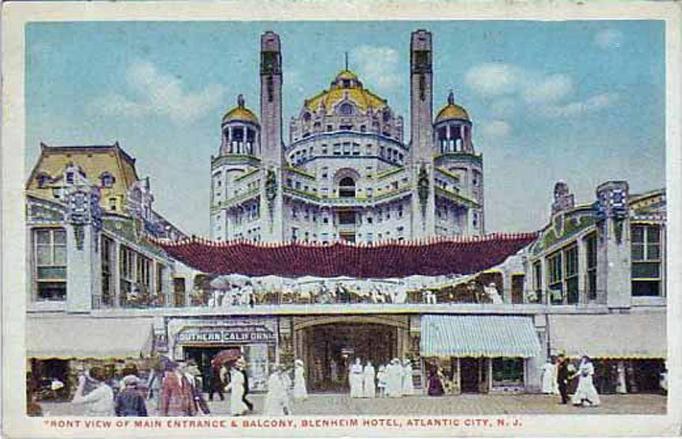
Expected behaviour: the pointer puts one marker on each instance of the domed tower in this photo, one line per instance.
(456, 156)
(239, 154)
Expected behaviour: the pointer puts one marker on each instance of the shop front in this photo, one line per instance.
(479, 353)
(628, 350)
(202, 339)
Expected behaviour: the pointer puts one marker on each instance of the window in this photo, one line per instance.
(346, 109)
(646, 260)
(346, 218)
(325, 172)
(126, 272)
(517, 288)
(555, 277)
(43, 180)
(571, 277)
(537, 281)
(50, 264)
(508, 370)
(337, 149)
(294, 233)
(112, 204)
(591, 249)
(106, 179)
(144, 280)
(108, 292)
(160, 271)
(179, 291)
(330, 128)
(347, 188)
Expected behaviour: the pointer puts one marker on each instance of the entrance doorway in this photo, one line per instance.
(474, 375)
(203, 356)
(332, 349)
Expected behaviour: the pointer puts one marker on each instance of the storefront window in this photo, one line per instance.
(646, 260)
(508, 370)
(50, 264)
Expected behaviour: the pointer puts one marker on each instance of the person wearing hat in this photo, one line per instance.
(300, 391)
(277, 398)
(394, 374)
(236, 389)
(129, 402)
(177, 398)
(241, 366)
(407, 382)
(99, 402)
(562, 377)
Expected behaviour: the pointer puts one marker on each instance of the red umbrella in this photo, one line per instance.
(226, 356)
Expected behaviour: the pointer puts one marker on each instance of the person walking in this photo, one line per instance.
(407, 381)
(241, 366)
(586, 394)
(355, 379)
(300, 391)
(193, 376)
(276, 399)
(369, 385)
(236, 389)
(154, 387)
(215, 384)
(100, 401)
(562, 378)
(435, 384)
(129, 402)
(177, 398)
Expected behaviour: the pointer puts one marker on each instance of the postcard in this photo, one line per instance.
(312, 219)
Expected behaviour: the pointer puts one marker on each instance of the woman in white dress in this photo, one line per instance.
(370, 388)
(408, 385)
(586, 394)
(355, 379)
(548, 377)
(300, 391)
(236, 389)
(394, 379)
(276, 400)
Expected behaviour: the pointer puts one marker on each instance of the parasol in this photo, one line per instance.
(225, 356)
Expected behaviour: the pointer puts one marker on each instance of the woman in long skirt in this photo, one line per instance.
(548, 377)
(300, 391)
(408, 385)
(369, 387)
(394, 375)
(277, 398)
(355, 379)
(236, 389)
(586, 394)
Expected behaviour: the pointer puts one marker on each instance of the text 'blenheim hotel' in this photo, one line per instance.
(290, 272)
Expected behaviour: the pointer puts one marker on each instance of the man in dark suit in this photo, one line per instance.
(562, 378)
(241, 366)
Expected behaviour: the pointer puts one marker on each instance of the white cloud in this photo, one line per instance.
(494, 79)
(548, 89)
(378, 66)
(153, 92)
(513, 88)
(496, 130)
(594, 103)
(609, 38)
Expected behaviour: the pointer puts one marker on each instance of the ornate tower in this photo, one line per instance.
(421, 128)
(272, 158)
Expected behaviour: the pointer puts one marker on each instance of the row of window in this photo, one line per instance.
(306, 236)
(346, 149)
(564, 269)
(106, 179)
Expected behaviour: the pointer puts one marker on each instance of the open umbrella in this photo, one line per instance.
(226, 356)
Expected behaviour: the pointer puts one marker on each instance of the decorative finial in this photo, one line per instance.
(346, 60)
(240, 100)
(451, 98)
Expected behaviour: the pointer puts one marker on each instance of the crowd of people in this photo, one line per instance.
(390, 380)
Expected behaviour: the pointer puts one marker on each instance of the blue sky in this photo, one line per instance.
(581, 101)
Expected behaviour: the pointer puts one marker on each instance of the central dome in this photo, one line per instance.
(346, 85)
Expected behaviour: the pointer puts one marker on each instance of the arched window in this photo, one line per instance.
(106, 179)
(347, 188)
(43, 180)
(346, 109)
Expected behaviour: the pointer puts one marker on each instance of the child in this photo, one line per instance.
(381, 378)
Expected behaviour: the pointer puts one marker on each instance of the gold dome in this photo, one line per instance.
(452, 111)
(240, 113)
(345, 84)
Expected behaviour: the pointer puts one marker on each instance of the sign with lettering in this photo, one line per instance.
(247, 334)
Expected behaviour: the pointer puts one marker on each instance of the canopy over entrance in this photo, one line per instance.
(88, 338)
(478, 336)
(622, 336)
(400, 259)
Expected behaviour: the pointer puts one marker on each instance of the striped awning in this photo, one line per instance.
(85, 337)
(635, 335)
(478, 336)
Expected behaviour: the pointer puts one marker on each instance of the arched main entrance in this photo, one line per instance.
(329, 345)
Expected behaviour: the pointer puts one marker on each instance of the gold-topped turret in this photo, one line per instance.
(240, 113)
(452, 110)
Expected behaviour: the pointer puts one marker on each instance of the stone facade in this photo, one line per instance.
(346, 173)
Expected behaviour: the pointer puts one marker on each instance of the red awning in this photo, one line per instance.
(400, 259)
